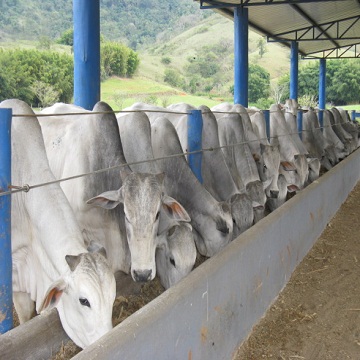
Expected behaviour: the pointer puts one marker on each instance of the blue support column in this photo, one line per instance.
(241, 58)
(322, 90)
(86, 15)
(294, 70)
(267, 123)
(300, 122)
(6, 318)
(195, 125)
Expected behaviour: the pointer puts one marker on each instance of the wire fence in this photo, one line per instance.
(26, 187)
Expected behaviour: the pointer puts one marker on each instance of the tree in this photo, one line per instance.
(173, 78)
(259, 83)
(67, 38)
(117, 59)
(24, 67)
(261, 43)
(46, 93)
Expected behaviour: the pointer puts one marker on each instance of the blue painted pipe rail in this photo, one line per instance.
(195, 125)
(300, 123)
(6, 317)
(267, 123)
(86, 15)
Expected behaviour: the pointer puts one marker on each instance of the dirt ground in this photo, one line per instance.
(317, 315)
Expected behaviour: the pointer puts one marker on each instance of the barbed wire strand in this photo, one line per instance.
(27, 187)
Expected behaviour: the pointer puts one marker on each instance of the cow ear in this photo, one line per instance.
(107, 200)
(53, 295)
(288, 166)
(160, 177)
(73, 261)
(256, 157)
(171, 213)
(95, 247)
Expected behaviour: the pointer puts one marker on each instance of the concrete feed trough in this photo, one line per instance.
(210, 312)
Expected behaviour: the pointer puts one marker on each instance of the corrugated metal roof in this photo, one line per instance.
(322, 28)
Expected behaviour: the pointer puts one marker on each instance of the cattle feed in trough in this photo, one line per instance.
(51, 263)
(176, 256)
(130, 207)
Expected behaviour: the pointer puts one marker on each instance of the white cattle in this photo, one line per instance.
(51, 264)
(330, 135)
(266, 156)
(350, 127)
(288, 149)
(316, 143)
(215, 173)
(217, 178)
(176, 255)
(339, 130)
(79, 144)
(241, 161)
(269, 162)
(211, 220)
(291, 112)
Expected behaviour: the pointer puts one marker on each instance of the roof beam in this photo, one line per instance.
(308, 33)
(345, 52)
(213, 4)
(311, 21)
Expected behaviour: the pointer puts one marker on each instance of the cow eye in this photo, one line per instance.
(157, 215)
(172, 261)
(84, 302)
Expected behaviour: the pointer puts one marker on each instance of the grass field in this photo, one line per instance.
(120, 93)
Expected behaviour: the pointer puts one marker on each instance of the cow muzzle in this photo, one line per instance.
(142, 275)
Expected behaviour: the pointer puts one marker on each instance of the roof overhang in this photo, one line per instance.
(322, 28)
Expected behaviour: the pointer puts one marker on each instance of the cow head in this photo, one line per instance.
(148, 212)
(84, 297)
(176, 257)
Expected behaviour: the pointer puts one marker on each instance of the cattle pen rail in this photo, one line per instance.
(13, 189)
(203, 316)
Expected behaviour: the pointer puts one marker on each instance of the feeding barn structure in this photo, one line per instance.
(210, 312)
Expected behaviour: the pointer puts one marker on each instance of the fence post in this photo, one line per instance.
(300, 122)
(86, 14)
(267, 123)
(6, 316)
(194, 126)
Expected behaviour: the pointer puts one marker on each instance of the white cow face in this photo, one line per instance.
(84, 298)
(218, 228)
(268, 167)
(242, 213)
(148, 212)
(176, 257)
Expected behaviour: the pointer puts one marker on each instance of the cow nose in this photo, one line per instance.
(142, 275)
(274, 194)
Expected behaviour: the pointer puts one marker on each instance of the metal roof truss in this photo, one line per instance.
(334, 28)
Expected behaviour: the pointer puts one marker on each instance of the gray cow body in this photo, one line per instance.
(51, 262)
(130, 208)
(211, 220)
(176, 256)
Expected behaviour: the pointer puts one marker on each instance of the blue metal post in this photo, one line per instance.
(195, 125)
(322, 91)
(353, 115)
(6, 317)
(300, 122)
(86, 14)
(241, 58)
(294, 70)
(267, 122)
